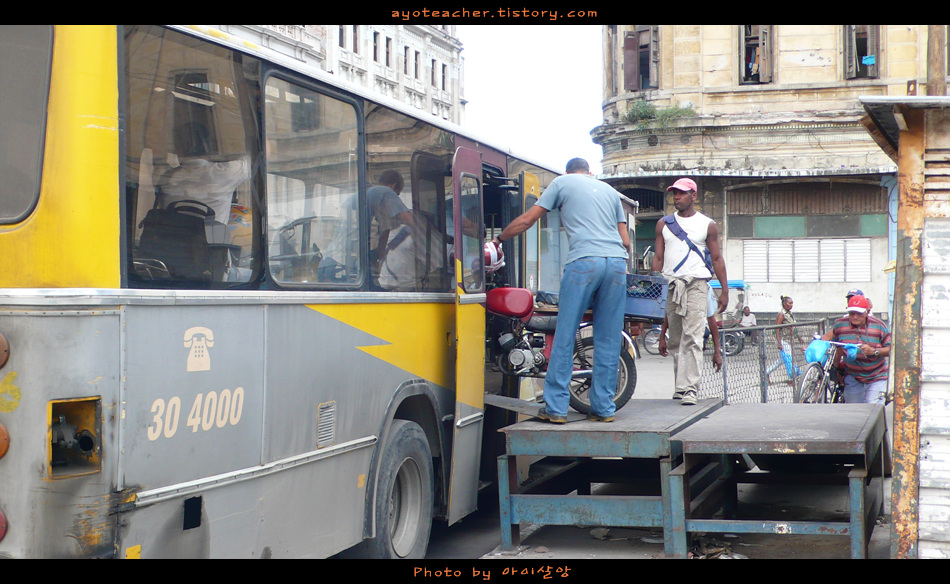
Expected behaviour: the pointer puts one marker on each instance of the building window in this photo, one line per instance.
(807, 260)
(342, 36)
(405, 60)
(641, 58)
(389, 52)
(416, 66)
(861, 51)
(755, 53)
(432, 74)
(445, 76)
(376, 47)
(356, 39)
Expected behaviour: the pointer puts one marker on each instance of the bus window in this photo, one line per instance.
(25, 57)
(408, 238)
(192, 210)
(531, 250)
(471, 249)
(553, 248)
(313, 202)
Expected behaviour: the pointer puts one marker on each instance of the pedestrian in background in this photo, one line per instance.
(748, 319)
(783, 337)
(687, 253)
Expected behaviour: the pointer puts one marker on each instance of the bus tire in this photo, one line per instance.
(404, 497)
(579, 390)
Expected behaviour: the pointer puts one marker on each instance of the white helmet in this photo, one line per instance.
(494, 257)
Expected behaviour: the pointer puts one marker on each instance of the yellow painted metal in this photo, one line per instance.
(470, 355)
(416, 338)
(72, 237)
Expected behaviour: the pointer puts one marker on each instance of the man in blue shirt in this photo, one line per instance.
(595, 275)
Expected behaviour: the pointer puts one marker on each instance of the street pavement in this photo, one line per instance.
(478, 536)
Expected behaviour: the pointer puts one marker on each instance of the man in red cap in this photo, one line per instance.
(688, 254)
(866, 377)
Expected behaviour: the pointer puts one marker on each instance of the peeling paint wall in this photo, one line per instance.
(934, 404)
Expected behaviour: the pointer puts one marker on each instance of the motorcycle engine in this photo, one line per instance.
(523, 361)
(517, 357)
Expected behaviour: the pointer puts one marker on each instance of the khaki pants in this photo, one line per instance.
(685, 341)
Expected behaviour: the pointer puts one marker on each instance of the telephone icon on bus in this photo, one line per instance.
(199, 339)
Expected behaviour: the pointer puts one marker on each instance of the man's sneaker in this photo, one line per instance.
(677, 395)
(689, 398)
(544, 414)
(595, 418)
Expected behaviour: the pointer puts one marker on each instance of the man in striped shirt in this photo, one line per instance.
(866, 377)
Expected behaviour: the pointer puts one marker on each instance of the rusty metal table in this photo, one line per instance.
(637, 446)
(800, 443)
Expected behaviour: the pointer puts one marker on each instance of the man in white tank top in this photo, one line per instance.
(688, 265)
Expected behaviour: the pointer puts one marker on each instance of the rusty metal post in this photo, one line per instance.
(906, 344)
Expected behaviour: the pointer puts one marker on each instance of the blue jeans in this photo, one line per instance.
(600, 283)
(856, 392)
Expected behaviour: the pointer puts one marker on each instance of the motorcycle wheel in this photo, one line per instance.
(732, 344)
(651, 342)
(626, 376)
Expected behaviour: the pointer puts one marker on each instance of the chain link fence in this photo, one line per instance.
(755, 368)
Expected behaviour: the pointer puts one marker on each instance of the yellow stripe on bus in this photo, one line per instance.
(417, 338)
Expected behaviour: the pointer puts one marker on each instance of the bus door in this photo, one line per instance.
(468, 225)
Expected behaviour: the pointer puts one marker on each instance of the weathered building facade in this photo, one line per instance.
(416, 64)
(767, 120)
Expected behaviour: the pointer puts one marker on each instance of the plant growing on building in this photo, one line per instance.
(644, 113)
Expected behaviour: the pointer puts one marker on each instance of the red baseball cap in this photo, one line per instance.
(683, 184)
(858, 304)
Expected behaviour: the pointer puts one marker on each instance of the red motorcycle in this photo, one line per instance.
(523, 346)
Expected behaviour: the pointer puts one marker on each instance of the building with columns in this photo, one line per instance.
(416, 64)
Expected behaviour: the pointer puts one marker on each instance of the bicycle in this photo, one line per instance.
(651, 340)
(822, 381)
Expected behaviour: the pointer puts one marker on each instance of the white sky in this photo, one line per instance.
(537, 90)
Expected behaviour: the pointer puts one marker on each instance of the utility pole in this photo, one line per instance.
(936, 59)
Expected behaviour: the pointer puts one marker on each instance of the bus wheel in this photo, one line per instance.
(580, 388)
(404, 497)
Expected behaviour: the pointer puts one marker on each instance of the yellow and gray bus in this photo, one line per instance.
(226, 329)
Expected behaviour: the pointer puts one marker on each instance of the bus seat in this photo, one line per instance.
(176, 237)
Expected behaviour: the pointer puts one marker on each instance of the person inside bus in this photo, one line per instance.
(412, 252)
(210, 183)
(385, 206)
